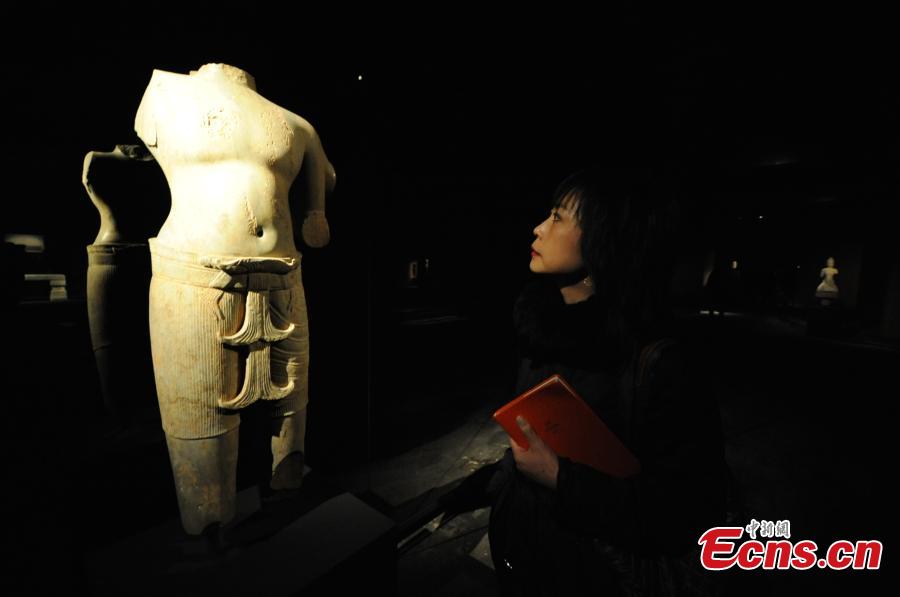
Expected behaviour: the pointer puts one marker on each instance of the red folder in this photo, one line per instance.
(568, 426)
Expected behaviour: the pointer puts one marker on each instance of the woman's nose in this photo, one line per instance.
(539, 229)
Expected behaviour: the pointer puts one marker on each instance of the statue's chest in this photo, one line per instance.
(193, 127)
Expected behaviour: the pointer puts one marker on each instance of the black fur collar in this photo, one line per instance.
(549, 330)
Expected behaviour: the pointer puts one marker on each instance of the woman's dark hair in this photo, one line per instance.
(628, 222)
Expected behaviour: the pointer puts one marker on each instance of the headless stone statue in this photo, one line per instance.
(126, 187)
(228, 320)
(827, 289)
(111, 179)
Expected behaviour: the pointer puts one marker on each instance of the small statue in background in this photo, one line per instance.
(827, 290)
(130, 195)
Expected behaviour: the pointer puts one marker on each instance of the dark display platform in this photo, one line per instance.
(286, 547)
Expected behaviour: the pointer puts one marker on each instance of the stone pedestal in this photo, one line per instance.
(332, 549)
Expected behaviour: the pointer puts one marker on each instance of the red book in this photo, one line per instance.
(568, 426)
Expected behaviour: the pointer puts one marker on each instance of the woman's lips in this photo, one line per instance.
(534, 253)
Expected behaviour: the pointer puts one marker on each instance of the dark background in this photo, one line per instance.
(448, 150)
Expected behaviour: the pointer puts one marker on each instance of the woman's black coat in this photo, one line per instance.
(572, 539)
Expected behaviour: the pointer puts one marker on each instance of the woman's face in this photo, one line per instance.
(557, 248)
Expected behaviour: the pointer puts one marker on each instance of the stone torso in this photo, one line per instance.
(828, 273)
(229, 156)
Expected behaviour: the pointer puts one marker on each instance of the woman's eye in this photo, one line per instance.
(555, 217)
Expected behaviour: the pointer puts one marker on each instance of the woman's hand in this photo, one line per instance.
(538, 462)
